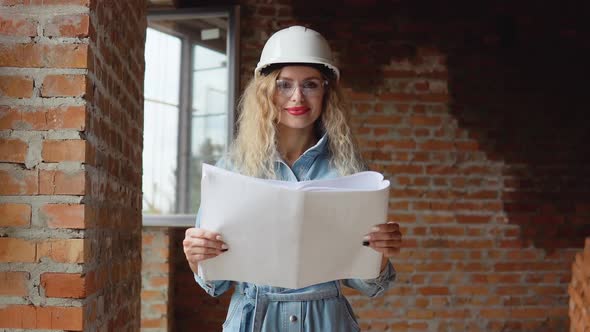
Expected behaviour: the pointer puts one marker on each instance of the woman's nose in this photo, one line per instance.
(297, 94)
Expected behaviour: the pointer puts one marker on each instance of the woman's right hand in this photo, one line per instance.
(200, 244)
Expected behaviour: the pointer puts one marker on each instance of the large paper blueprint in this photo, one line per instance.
(292, 234)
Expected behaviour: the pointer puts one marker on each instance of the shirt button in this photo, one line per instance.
(293, 318)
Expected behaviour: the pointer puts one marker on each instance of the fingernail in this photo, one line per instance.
(366, 243)
(366, 238)
(375, 229)
(224, 246)
(224, 250)
(218, 238)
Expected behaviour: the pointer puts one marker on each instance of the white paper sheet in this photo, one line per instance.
(292, 234)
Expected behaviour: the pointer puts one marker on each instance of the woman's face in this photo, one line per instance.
(299, 96)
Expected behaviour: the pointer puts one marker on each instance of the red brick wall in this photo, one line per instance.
(70, 164)
(157, 272)
(114, 132)
(475, 112)
(578, 291)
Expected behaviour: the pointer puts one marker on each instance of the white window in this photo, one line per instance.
(190, 88)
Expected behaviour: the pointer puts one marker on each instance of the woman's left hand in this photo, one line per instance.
(384, 238)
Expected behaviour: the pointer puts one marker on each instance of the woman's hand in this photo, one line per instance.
(200, 244)
(386, 239)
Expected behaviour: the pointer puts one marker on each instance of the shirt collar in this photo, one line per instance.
(320, 147)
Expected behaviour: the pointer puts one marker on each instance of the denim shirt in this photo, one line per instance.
(320, 307)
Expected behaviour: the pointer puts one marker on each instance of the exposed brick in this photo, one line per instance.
(384, 120)
(548, 290)
(159, 308)
(65, 117)
(467, 146)
(56, 2)
(11, 2)
(16, 250)
(405, 169)
(511, 290)
(436, 145)
(15, 215)
(61, 183)
(44, 2)
(447, 231)
(30, 317)
(483, 194)
(16, 86)
(39, 55)
(420, 314)
(13, 150)
(433, 267)
(75, 25)
(112, 95)
(19, 182)
(471, 290)
(528, 312)
(62, 251)
(163, 268)
(413, 97)
(425, 121)
(64, 86)
(454, 314)
(422, 86)
(17, 25)
(400, 144)
(67, 318)
(434, 290)
(13, 283)
(153, 323)
(64, 285)
(64, 215)
(151, 295)
(381, 131)
(18, 316)
(473, 219)
(158, 281)
(63, 150)
(147, 239)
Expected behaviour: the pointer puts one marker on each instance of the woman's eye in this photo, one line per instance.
(310, 85)
(284, 85)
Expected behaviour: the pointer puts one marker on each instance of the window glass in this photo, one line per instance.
(188, 96)
(160, 132)
(209, 113)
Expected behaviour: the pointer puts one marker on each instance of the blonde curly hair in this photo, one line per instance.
(255, 147)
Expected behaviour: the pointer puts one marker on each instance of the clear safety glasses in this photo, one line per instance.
(309, 88)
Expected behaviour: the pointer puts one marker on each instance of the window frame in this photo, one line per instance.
(182, 202)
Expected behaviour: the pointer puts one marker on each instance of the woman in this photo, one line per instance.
(292, 127)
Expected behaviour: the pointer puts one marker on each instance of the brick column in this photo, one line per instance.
(71, 85)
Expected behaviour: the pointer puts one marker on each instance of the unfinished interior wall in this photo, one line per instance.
(475, 112)
(71, 86)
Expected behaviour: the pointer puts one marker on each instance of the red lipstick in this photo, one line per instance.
(298, 110)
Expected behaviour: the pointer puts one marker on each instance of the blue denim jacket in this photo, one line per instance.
(320, 307)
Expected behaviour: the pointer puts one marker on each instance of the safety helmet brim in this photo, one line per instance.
(329, 71)
(297, 44)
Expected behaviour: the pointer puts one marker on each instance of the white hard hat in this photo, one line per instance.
(296, 44)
